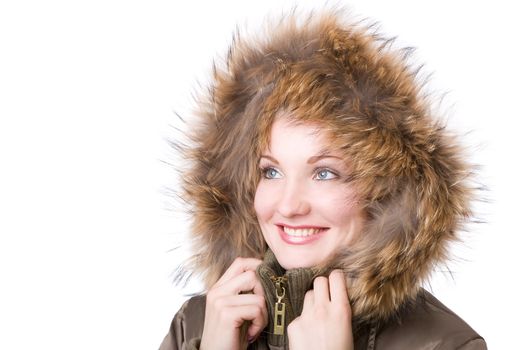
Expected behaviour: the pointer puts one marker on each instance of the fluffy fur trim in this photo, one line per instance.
(342, 76)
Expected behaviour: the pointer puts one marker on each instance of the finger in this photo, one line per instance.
(245, 282)
(321, 290)
(239, 300)
(258, 289)
(338, 291)
(247, 300)
(258, 324)
(308, 302)
(239, 266)
(236, 315)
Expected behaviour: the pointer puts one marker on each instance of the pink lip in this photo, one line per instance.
(300, 240)
(301, 227)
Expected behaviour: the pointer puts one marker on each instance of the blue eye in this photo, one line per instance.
(325, 174)
(271, 173)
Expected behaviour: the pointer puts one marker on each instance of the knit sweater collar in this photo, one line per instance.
(297, 282)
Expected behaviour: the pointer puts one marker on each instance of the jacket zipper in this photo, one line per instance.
(280, 306)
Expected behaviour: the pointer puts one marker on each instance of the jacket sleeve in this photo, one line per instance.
(186, 328)
(428, 324)
(474, 344)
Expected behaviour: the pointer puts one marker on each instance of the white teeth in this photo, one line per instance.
(305, 232)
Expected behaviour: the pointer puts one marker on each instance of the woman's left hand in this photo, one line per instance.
(326, 320)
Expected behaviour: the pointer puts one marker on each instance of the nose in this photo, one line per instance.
(293, 201)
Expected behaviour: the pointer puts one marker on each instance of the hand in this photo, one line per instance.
(326, 320)
(227, 310)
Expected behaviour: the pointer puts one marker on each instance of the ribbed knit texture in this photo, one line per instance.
(298, 282)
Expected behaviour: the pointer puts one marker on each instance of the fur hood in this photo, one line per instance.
(344, 77)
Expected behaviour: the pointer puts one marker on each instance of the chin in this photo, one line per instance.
(291, 262)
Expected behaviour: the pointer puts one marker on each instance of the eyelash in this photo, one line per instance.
(264, 171)
(320, 170)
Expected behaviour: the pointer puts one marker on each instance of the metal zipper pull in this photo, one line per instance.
(280, 307)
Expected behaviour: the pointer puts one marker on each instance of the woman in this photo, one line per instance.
(324, 193)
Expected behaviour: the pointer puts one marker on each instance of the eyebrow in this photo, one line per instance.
(311, 160)
(315, 159)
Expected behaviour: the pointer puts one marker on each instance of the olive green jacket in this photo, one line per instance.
(423, 323)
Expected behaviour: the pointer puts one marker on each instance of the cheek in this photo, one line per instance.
(341, 206)
(263, 202)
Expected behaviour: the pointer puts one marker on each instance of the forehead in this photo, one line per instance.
(292, 135)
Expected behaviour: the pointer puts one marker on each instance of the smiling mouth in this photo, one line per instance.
(300, 235)
(302, 232)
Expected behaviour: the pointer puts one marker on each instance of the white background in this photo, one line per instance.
(88, 91)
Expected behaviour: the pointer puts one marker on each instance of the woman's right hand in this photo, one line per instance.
(227, 309)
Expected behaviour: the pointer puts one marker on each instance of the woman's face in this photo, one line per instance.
(305, 209)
